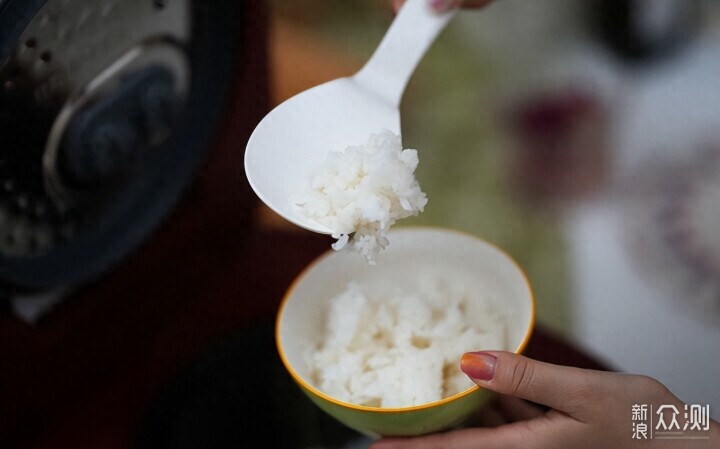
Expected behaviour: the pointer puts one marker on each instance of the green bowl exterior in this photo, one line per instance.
(405, 423)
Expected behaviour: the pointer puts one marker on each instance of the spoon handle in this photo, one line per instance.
(411, 34)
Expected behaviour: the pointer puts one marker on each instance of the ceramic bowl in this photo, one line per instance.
(412, 252)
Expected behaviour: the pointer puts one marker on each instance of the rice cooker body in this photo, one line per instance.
(107, 109)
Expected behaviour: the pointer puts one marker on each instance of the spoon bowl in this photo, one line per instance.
(290, 144)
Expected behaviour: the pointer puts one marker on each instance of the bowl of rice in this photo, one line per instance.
(378, 346)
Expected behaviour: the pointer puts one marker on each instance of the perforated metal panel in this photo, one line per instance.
(77, 93)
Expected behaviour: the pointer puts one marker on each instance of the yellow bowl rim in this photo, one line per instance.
(288, 293)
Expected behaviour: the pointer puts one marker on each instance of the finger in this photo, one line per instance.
(458, 439)
(560, 387)
(445, 5)
(475, 3)
(514, 409)
(535, 434)
(490, 417)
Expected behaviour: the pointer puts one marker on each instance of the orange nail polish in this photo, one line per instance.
(478, 365)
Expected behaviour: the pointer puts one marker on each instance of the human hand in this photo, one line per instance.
(588, 409)
(444, 5)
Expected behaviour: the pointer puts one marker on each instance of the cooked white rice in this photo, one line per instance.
(364, 190)
(402, 348)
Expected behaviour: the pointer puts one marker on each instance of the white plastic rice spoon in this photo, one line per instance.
(289, 145)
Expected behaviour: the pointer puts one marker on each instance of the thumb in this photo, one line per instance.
(560, 387)
(445, 5)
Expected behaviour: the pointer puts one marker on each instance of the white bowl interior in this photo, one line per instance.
(412, 252)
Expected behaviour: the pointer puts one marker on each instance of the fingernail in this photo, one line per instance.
(383, 444)
(478, 365)
(441, 5)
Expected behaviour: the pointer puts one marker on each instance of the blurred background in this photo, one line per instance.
(450, 114)
(579, 136)
(140, 276)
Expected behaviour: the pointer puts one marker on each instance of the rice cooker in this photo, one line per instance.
(106, 110)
